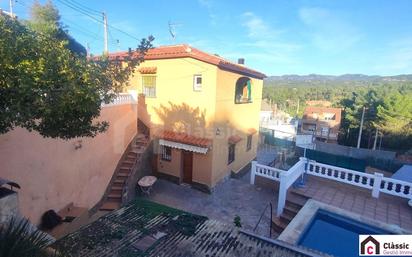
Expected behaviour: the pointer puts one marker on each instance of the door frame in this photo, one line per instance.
(183, 154)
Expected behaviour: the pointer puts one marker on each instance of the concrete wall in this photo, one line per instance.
(354, 152)
(52, 173)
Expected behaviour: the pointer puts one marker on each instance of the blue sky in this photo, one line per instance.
(276, 37)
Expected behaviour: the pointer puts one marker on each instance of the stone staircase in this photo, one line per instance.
(112, 199)
(294, 202)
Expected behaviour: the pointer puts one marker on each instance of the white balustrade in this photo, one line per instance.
(375, 182)
(120, 99)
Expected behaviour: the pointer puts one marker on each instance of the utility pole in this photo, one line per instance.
(376, 140)
(360, 128)
(11, 7)
(380, 141)
(106, 47)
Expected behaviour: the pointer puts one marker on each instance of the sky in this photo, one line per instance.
(330, 37)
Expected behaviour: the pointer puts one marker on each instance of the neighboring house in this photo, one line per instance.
(202, 113)
(318, 103)
(323, 122)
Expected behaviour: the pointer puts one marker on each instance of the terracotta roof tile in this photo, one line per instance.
(184, 138)
(251, 131)
(186, 51)
(148, 70)
(234, 139)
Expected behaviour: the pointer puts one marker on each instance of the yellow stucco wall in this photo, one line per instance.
(234, 119)
(179, 108)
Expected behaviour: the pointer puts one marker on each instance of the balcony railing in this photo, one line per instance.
(376, 182)
(121, 98)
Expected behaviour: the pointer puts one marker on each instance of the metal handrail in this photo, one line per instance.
(261, 216)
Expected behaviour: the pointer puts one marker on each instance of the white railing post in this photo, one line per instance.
(282, 193)
(252, 172)
(377, 184)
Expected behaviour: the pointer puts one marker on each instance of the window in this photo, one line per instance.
(325, 131)
(197, 83)
(231, 156)
(166, 153)
(243, 91)
(249, 143)
(149, 86)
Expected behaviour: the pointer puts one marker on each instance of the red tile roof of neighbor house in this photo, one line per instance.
(184, 138)
(186, 51)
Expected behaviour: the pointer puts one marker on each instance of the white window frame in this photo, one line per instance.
(145, 89)
(197, 87)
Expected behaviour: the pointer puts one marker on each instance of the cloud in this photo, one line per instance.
(266, 42)
(257, 27)
(327, 30)
(209, 5)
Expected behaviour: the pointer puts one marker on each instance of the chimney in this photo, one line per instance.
(241, 61)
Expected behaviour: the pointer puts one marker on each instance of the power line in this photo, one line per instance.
(73, 7)
(83, 7)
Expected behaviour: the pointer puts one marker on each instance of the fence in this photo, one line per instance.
(335, 160)
(348, 151)
(270, 139)
(375, 182)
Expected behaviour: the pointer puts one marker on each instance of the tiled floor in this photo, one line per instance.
(230, 198)
(238, 197)
(386, 208)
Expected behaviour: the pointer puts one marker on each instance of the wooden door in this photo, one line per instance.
(187, 166)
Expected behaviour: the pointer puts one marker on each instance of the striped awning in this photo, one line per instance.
(177, 145)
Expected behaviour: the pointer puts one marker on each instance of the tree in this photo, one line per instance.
(45, 20)
(46, 87)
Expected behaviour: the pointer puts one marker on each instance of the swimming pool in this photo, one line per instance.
(335, 234)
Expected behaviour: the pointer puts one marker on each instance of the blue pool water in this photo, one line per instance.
(335, 234)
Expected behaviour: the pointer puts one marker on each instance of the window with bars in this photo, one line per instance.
(149, 86)
(166, 153)
(231, 156)
(249, 143)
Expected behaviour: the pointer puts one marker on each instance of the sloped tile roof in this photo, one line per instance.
(119, 233)
(184, 138)
(186, 51)
(148, 70)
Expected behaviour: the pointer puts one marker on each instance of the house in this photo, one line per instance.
(202, 113)
(322, 122)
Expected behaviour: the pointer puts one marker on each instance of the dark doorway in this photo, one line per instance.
(187, 166)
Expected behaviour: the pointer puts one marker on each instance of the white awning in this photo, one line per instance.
(191, 148)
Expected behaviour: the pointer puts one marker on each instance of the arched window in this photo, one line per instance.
(243, 91)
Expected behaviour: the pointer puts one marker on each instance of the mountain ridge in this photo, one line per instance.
(343, 77)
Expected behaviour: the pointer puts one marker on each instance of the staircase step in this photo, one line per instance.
(114, 196)
(117, 187)
(294, 204)
(278, 225)
(116, 191)
(110, 206)
(125, 169)
(286, 218)
(123, 174)
(119, 181)
(291, 210)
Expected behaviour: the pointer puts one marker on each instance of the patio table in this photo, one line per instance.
(146, 183)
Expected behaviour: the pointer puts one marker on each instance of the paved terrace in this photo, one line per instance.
(238, 197)
(388, 209)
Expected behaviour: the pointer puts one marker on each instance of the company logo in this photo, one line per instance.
(370, 246)
(385, 245)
